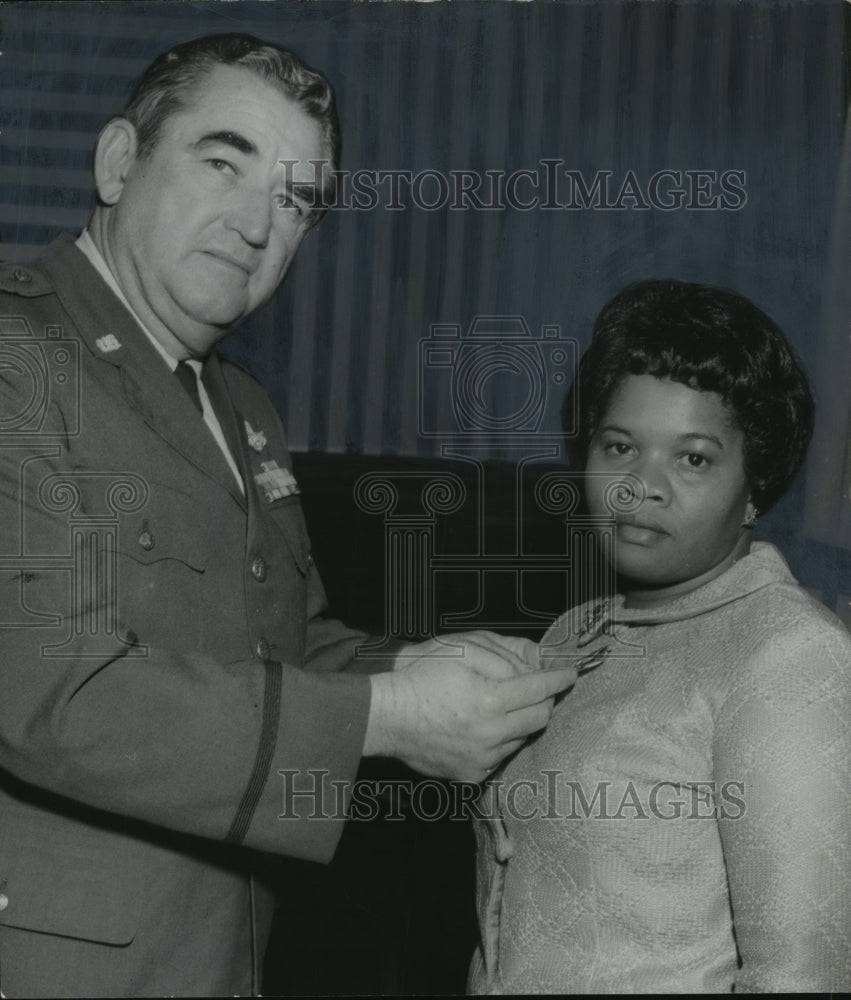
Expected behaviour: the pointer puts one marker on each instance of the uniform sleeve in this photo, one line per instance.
(175, 739)
(331, 645)
(783, 763)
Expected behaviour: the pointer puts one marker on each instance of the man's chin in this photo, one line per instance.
(217, 317)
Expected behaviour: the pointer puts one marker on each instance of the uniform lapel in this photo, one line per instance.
(113, 336)
(256, 459)
(166, 407)
(229, 419)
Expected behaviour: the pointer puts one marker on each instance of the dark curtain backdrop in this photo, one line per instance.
(753, 92)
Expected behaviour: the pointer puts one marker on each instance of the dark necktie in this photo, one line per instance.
(186, 377)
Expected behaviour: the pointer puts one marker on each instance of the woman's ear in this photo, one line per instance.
(751, 514)
(115, 153)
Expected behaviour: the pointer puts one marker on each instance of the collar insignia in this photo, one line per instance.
(108, 343)
(256, 439)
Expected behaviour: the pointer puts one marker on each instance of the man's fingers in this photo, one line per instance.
(498, 757)
(524, 721)
(490, 653)
(523, 652)
(531, 689)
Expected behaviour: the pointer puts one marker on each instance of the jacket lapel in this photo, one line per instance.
(165, 406)
(229, 420)
(254, 460)
(113, 336)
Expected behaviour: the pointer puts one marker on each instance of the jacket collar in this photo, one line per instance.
(762, 567)
(114, 337)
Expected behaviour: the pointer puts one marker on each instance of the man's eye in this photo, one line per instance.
(221, 165)
(694, 460)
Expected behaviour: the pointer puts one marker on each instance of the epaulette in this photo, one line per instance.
(17, 279)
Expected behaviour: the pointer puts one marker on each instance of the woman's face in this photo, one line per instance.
(683, 454)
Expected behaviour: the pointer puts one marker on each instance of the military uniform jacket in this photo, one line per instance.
(168, 686)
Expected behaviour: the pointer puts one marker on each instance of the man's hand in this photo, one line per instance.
(514, 655)
(460, 716)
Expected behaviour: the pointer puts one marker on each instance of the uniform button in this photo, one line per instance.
(309, 560)
(146, 540)
(262, 649)
(259, 569)
(22, 274)
(4, 901)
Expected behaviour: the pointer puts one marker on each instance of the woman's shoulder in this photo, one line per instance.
(786, 636)
(782, 609)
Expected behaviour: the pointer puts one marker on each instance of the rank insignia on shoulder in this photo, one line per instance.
(276, 482)
(108, 343)
(256, 439)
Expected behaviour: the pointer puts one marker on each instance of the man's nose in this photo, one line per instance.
(251, 216)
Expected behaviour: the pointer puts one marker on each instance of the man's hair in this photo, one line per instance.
(164, 86)
(709, 339)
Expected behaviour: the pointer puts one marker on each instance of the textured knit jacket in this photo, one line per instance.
(163, 658)
(684, 823)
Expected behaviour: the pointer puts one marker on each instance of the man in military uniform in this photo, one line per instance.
(164, 654)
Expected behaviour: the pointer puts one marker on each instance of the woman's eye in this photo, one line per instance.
(618, 448)
(696, 461)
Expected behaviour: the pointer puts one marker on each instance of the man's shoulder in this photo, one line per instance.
(60, 264)
(24, 280)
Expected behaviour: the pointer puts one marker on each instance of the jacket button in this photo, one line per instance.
(262, 649)
(22, 274)
(4, 901)
(259, 569)
(146, 540)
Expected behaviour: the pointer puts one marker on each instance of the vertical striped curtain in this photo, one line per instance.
(754, 92)
(828, 480)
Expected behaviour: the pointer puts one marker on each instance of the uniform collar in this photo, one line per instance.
(113, 335)
(85, 243)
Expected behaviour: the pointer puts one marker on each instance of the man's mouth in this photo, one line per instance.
(235, 262)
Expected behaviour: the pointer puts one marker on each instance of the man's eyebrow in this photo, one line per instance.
(234, 139)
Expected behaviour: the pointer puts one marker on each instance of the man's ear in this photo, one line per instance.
(115, 153)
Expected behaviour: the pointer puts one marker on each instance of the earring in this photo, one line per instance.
(750, 518)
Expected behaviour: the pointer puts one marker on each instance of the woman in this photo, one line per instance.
(683, 822)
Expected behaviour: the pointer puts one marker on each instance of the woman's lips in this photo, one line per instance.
(639, 531)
